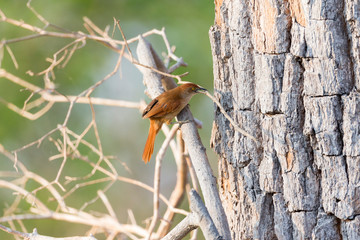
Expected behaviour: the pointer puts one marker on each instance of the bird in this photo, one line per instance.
(163, 109)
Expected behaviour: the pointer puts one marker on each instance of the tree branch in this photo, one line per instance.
(153, 81)
(35, 236)
(199, 217)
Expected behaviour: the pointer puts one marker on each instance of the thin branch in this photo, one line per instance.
(97, 196)
(85, 184)
(30, 198)
(39, 32)
(16, 65)
(193, 177)
(159, 158)
(137, 183)
(173, 145)
(38, 141)
(94, 150)
(41, 18)
(49, 187)
(233, 123)
(107, 204)
(124, 38)
(13, 232)
(26, 114)
(178, 192)
(199, 217)
(93, 121)
(35, 236)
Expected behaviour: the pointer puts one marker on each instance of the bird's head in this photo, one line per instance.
(192, 88)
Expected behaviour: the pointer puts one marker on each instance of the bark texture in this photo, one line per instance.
(288, 72)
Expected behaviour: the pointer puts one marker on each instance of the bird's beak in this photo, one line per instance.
(200, 90)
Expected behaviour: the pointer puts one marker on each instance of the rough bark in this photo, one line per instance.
(288, 72)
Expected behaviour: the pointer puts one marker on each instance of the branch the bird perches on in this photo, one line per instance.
(155, 84)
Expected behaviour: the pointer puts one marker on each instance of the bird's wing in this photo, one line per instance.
(149, 107)
(160, 108)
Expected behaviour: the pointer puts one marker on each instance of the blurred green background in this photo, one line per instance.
(122, 131)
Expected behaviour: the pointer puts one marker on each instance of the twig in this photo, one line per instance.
(178, 192)
(159, 158)
(49, 187)
(41, 18)
(65, 139)
(139, 184)
(35, 236)
(16, 65)
(38, 141)
(13, 232)
(94, 150)
(124, 38)
(97, 196)
(107, 204)
(166, 130)
(88, 183)
(237, 128)
(193, 177)
(29, 197)
(199, 217)
(93, 121)
(39, 32)
(26, 114)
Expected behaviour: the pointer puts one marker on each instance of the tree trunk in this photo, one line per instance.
(287, 72)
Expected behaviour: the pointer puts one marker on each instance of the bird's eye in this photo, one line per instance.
(193, 88)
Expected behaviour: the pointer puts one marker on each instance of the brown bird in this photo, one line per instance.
(163, 109)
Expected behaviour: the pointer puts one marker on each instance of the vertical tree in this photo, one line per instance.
(288, 73)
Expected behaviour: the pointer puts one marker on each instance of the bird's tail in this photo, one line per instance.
(155, 127)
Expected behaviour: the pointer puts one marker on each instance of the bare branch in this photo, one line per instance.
(178, 192)
(233, 123)
(35, 236)
(107, 204)
(159, 158)
(14, 232)
(199, 217)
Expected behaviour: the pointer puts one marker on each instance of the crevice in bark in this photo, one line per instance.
(266, 223)
(352, 217)
(349, 34)
(338, 228)
(346, 169)
(302, 210)
(332, 155)
(273, 113)
(327, 95)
